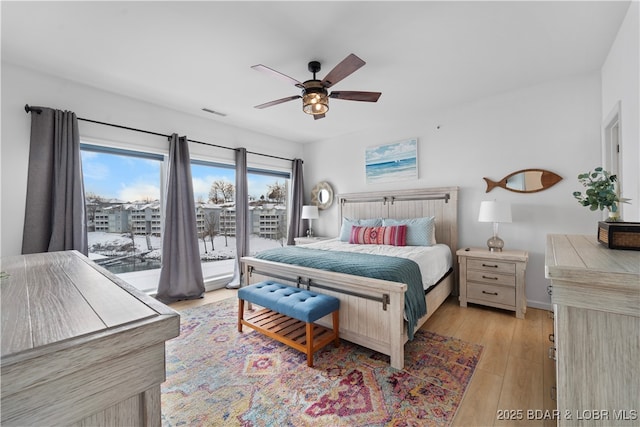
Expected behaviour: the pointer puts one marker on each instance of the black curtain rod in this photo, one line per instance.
(29, 109)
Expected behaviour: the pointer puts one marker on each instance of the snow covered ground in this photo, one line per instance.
(223, 248)
(111, 245)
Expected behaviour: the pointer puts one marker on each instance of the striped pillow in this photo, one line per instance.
(345, 230)
(394, 235)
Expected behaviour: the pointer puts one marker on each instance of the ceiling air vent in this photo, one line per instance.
(208, 110)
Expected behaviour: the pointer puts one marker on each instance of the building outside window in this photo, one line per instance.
(124, 211)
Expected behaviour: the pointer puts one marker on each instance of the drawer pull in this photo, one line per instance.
(487, 277)
(490, 265)
(489, 293)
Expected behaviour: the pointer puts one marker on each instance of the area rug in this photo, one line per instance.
(217, 376)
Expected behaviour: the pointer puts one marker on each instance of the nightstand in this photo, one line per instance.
(306, 240)
(495, 279)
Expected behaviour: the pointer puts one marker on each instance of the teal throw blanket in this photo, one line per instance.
(375, 266)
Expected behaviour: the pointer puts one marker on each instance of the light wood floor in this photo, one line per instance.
(514, 376)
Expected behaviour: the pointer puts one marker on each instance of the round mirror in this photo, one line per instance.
(322, 195)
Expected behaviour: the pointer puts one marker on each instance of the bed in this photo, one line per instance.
(373, 310)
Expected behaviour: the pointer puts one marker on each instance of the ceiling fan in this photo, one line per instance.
(315, 97)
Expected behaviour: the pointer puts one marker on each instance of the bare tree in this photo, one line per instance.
(93, 202)
(221, 191)
(224, 227)
(211, 227)
(133, 244)
(229, 191)
(94, 197)
(215, 194)
(203, 236)
(277, 192)
(281, 232)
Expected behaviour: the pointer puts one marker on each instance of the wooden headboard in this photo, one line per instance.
(441, 203)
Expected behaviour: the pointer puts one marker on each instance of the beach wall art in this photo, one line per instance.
(392, 162)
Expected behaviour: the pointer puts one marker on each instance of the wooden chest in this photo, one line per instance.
(79, 345)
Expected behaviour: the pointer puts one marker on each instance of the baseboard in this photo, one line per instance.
(209, 284)
(217, 282)
(541, 305)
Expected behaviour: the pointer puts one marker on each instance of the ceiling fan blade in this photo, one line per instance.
(318, 116)
(277, 101)
(348, 65)
(356, 96)
(277, 74)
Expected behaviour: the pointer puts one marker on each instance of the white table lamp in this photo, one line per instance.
(309, 212)
(495, 212)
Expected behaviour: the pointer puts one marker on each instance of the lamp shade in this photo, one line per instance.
(309, 212)
(315, 103)
(493, 211)
(315, 98)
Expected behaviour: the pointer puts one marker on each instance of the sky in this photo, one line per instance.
(130, 178)
(399, 150)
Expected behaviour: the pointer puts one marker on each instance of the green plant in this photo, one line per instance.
(601, 190)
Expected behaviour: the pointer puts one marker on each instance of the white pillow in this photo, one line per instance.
(345, 230)
(420, 231)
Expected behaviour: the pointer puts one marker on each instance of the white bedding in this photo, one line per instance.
(434, 261)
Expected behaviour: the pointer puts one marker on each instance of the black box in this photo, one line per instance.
(619, 235)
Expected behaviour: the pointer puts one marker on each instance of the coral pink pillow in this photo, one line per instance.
(394, 235)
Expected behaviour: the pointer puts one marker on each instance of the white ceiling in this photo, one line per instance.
(422, 56)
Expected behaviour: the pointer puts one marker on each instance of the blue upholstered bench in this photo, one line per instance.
(288, 315)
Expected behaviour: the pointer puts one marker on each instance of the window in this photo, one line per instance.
(214, 194)
(268, 202)
(124, 211)
(122, 190)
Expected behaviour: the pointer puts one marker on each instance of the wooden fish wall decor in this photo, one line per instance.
(525, 181)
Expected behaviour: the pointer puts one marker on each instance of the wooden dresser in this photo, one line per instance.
(79, 345)
(596, 300)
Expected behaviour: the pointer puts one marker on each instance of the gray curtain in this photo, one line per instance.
(181, 271)
(243, 220)
(55, 217)
(296, 225)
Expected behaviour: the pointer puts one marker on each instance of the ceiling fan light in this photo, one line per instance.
(315, 102)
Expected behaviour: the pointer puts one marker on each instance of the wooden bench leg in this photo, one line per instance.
(285, 329)
(240, 314)
(309, 344)
(336, 328)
